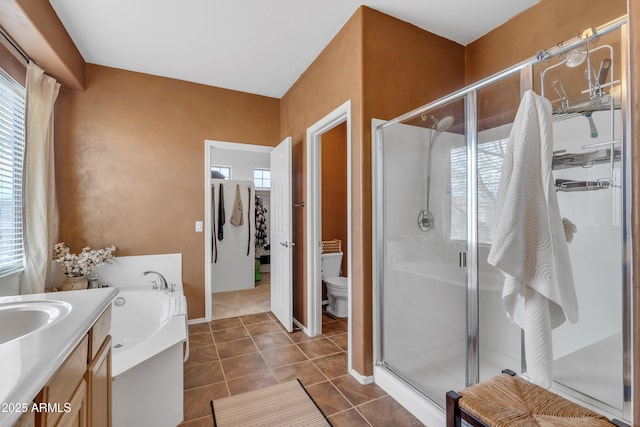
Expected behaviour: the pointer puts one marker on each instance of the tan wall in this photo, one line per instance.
(13, 66)
(404, 67)
(540, 27)
(36, 28)
(130, 162)
(334, 188)
(332, 79)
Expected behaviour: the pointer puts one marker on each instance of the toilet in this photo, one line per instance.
(337, 287)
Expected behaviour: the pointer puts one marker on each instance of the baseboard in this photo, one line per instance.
(198, 320)
(362, 379)
(301, 326)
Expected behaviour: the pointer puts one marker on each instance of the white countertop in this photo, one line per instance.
(27, 364)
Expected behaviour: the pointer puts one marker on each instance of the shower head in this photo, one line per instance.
(443, 124)
(439, 125)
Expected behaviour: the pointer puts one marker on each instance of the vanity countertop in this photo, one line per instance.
(27, 363)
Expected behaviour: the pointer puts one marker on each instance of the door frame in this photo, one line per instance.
(208, 146)
(340, 115)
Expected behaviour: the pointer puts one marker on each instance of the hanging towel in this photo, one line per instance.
(236, 215)
(529, 244)
(249, 223)
(214, 243)
(261, 226)
(221, 218)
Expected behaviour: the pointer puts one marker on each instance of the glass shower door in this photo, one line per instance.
(424, 274)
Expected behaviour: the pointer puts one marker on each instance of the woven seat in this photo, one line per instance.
(507, 400)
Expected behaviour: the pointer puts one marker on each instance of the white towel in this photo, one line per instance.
(175, 305)
(529, 244)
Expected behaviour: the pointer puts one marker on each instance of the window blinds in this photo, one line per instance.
(12, 141)
(490, 158)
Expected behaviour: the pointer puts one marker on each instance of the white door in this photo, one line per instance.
(281, 229)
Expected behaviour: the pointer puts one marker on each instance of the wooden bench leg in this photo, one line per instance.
(453, 409)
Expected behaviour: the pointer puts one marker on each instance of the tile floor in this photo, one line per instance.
(239, 354)
(241, 303)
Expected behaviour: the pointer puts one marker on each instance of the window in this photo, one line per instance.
(224, 170)
(262, 178)
(490, 157)
(12, 122)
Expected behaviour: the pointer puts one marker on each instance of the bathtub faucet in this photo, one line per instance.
(163, 281)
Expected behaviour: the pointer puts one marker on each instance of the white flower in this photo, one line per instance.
(81, 264)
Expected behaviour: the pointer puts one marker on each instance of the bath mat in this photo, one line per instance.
(280, 405)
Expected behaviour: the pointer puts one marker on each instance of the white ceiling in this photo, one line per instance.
(255, 46)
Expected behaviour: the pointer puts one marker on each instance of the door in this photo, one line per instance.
(281, 230)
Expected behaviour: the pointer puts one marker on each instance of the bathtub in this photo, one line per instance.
(140, 328)
(147, 358)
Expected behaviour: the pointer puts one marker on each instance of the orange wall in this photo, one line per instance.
(334, 188)
(398, 74)
(332, 79)
(13, 66)
(36, 28)
(404, 67)
(130, 162)
(540, 27)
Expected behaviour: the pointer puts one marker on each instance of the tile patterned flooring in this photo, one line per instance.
(239, 354)
(241, 303)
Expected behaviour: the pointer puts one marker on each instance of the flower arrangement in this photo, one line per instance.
(77, 265)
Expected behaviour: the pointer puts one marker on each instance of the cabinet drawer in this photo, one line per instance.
(59, 390)
(98, 333)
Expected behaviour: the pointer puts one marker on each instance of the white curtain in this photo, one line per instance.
(40, 211)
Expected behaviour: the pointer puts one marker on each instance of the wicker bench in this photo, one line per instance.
(507, 400)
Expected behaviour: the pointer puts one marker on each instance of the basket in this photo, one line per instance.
(331, 246)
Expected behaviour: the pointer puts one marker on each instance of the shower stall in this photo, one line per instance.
(440, 322)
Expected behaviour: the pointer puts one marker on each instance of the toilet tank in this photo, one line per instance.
(330, 264)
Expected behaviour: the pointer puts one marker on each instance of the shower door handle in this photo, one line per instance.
(462, 259)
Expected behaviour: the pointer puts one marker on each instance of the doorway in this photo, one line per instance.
(336, 125)
(238, 253)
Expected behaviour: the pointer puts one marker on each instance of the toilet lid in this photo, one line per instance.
(338, 281)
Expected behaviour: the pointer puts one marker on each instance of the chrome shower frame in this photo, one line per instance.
(469, 94)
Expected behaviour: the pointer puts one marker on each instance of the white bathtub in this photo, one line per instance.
(139, 330)
(147, 359)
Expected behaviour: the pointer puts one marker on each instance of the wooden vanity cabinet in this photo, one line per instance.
(79, 393)
(99, 387)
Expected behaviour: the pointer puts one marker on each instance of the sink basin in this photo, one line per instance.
(18, 319)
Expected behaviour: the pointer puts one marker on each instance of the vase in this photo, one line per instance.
(73, 283)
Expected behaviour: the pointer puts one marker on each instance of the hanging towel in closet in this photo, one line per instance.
(249, 223)
(261, 226)
(214, 243)
(221, 217)
(529, 244)
(236, 215)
